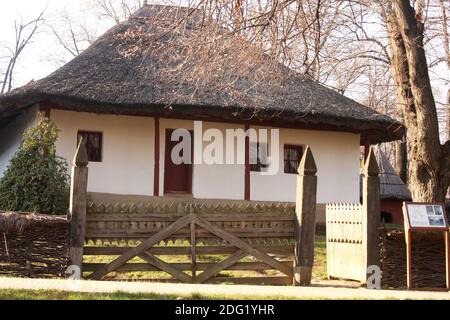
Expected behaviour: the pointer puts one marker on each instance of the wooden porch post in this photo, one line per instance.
(156, 158)
(247, 180)
(305, 210)
(371, 214)
(78, 191)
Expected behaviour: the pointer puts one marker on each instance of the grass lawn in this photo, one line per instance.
(63, 295)
(320, 258)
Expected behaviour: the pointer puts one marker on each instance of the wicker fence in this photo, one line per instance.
(33, 245)
(428, 259)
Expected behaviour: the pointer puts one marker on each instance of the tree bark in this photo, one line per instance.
(428, 160)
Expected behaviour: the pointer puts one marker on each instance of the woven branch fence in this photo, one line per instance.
(33, 245)
(428, 260)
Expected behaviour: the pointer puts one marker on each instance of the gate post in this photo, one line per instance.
(305, 226)
(371, 214)
(77, 210)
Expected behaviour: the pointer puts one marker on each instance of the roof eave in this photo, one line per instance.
(371, 131)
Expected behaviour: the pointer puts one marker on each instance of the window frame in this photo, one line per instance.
(258, 166)
(87, 132)
(300, 148)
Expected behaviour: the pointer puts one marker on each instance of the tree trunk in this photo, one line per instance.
(401, 163)
(428, 160)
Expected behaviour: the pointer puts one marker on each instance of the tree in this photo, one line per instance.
(429, 161)
(24, 33)
(72, 35)
(36, 179)
(118, 10)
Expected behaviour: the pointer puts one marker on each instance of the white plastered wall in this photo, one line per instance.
(11, 135)
(337, 159)
(128, 160)
(128, 144)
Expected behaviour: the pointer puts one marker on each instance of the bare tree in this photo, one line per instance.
(73, 35)
(118, 10)
(24, 33)
(445, 8)
(429, 162)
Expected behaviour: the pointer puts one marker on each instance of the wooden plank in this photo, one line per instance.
(242, 233)
(134, 217)
(247, 179)
(306, 219)
(78, 191)
(447, 258)
(253, 280)
(200, 250)
(166, 267)
(243, 245)
(193, 253)
(156, 158)
(217, 267)
(127, 267)
(142, 247)
(242, 230)
(371, 215)
(200, 266)
(237, 280)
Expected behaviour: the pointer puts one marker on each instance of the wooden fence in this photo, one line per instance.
(212, 238)
(353, 239)
(33, 245)
(275, 241)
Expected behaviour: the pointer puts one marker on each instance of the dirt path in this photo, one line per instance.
(315, 292)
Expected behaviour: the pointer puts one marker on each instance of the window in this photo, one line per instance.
(258, 156)
(93, 144)
(292, 156)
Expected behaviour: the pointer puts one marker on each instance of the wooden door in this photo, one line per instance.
(177, 177)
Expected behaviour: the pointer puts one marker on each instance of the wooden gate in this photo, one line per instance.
(141, 237)
(353, 237)
(345, 251)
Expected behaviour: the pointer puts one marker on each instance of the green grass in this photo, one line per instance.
(320, 258)
(63, 295)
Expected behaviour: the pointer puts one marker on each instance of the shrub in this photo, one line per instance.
(36, 179)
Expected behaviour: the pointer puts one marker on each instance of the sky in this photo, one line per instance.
(41, 57)
(36, 61)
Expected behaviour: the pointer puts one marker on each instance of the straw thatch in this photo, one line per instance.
(148, 63)
(19, 222)
(391, 185)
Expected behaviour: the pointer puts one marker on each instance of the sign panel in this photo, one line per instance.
(426, 215)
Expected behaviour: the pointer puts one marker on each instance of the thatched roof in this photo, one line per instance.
(391, 185)
(19, 222)
(148, 63)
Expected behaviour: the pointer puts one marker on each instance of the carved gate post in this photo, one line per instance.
(78, 192)
(305, 226)
(371, 213)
